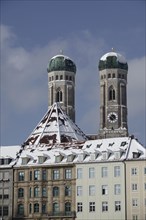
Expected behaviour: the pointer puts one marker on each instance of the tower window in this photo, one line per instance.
(61, 77)
(56, 77)
(59, 96)
(109, 75)
(66, 77)
(113, 75)
(111, 93)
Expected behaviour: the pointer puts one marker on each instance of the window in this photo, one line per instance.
(91, 172)
(104, 189)
(44, 175)
(30, 208)
(111, 93)
(68, 174)
(66, 77)
(56, 77)
(36, 207)
(20, 209)
(5, 210)
(30, 192)
(104, 172)
(116, 171)
(44, 208)
(61, 77)
(144, 186)
(117, 206)
(55, 191)
(134, 202)
(30, 175)
(117, 189)
(67, 208)
(20, 176)
(44, 192)
(36, 191)
(92, 190)
(134, 186)
(79, 207)
(91, 206)
(67, 190)
(36, 174)
(145, 170)
(109, 75)
(134, 171)
(113, 75)
(6, 193)
(79, 190)
(20, 192)
(79, 173)
(55, 174)
(104, 206)
(134, 217)
(59, 96)
(55, 207)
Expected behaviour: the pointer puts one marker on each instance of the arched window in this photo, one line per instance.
(36, 207)
(20, 209)
(112, 95)
(67, 190)
(20, 192)
(55, 208)
(67, 207)
(59, 96)
(36, 191)
(55, 191)
(30, 208)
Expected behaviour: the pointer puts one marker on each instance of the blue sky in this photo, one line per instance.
(34, 31)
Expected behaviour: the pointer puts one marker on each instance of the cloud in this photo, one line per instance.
(24, 77)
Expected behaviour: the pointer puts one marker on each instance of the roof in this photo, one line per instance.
(113, 60)
(61, 63)
(92, 151)
(8, 155)
(55, 127)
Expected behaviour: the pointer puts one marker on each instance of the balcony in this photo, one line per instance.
(62, 214)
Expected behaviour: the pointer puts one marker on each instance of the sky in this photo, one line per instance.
(33, 31)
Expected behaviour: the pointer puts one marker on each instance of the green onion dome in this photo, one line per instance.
(61, 63)
(112, 60)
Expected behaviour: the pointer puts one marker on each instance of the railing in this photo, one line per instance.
(68, 214)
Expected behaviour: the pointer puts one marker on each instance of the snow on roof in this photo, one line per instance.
(100, 150)
(120, 58)
(55, 127)
(61, 55)
(8, 155)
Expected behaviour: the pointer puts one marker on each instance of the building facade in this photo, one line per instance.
(59, 174)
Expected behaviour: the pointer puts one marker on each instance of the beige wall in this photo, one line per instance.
(140, 193)
(98, 198)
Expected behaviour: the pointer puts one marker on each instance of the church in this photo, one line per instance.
(60, 173)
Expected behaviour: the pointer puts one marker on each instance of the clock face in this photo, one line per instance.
(112, 117)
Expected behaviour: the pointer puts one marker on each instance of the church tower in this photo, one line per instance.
(113, 71)
(61, 83)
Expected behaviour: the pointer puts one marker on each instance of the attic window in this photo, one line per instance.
(136, 154)
(24, 160)
(123, 143)
(70, 158)
(41, 159)
(58, 158)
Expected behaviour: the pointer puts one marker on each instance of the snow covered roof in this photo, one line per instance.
(101, 150)
(120, 57)
(8, 155)
(55, 127)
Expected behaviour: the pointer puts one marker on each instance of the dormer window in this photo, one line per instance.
(25, 160)
(58, 158)
(70, 158)
(136, 154)
(41, 159)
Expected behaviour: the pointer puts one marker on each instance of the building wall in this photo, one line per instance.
(98, 181)
(6, 193)
(136, 189)
(49, 181)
